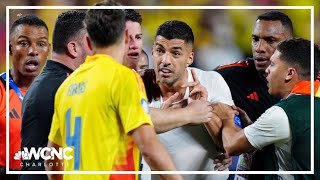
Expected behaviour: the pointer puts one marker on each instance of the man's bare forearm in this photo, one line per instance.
(234, 139)
(168, 119)
(58, 164)
(153, 151)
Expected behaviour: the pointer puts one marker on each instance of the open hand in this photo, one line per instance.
(197, 91)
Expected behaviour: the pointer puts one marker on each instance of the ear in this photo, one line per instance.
(49, 47)
(72, 49)
(190, 58)
(89, 43)
(292, 73)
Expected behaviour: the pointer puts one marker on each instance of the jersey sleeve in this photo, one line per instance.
(132, 103)
(272, 127)
(55, 134)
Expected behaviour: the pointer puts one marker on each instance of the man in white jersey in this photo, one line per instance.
(190, 146)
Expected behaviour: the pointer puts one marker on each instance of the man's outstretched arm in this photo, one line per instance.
(233, 138)
(55, 161)
(153, 151)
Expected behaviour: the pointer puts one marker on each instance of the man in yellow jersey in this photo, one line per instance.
(101, 115)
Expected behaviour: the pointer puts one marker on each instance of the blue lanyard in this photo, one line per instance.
(14, 86)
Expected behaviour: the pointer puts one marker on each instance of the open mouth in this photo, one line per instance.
(261, 61)
(133, 55)
(32, 65)
(165, 72)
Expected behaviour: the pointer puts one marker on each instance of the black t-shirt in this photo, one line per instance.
(38, 109)
(250, 92)
(248, 87)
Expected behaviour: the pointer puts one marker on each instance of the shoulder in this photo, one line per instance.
(205, 74)
(208, 77)
(238, 64)
(111, 66)
(273, 117)
(273, 111)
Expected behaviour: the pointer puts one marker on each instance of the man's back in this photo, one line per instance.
(95, 110)
(36, 120)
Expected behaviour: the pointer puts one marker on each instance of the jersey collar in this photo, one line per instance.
(304, 87)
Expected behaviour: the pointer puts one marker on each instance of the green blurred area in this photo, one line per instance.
(210, 26)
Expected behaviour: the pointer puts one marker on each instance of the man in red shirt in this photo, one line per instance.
(29, 47)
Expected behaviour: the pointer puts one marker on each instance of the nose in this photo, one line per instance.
(267, 70)
(166, 59)
(260, 46)
(133, 43)
(32, 50)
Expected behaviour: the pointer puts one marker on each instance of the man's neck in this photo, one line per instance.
(115, 51)
(21, 81)
(288, 88)
(65, 60)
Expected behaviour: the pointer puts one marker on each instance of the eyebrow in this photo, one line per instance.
(263, 37)
(26, 37)
(177, 48)
(158, 44)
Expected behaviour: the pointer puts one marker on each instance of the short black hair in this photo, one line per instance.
(297, 52)
(278, 16)
(176, 30)
(133, 15)
(28, 19)
(68, 26)
(105, 26)
(107, 3)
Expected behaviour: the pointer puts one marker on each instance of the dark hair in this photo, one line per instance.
(297, 52)
(176, 30)
(28, 19)
(133, 15)
(107, 3)
(68, 26)
(278, 16)
(105, 26)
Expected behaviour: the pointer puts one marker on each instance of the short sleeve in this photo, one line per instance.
(132, 102)
(272, 127)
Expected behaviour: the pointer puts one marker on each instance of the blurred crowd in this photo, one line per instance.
(221, 36)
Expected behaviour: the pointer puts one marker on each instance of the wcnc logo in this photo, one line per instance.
(61, 153)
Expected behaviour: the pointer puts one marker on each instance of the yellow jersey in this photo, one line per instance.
(95, 109)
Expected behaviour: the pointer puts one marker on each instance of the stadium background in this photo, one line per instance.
(221, 36)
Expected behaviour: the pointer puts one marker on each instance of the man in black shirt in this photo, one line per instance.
(246, 79)
(69, 51)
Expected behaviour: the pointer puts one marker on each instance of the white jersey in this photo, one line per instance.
(190, 146)
(273, 127)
